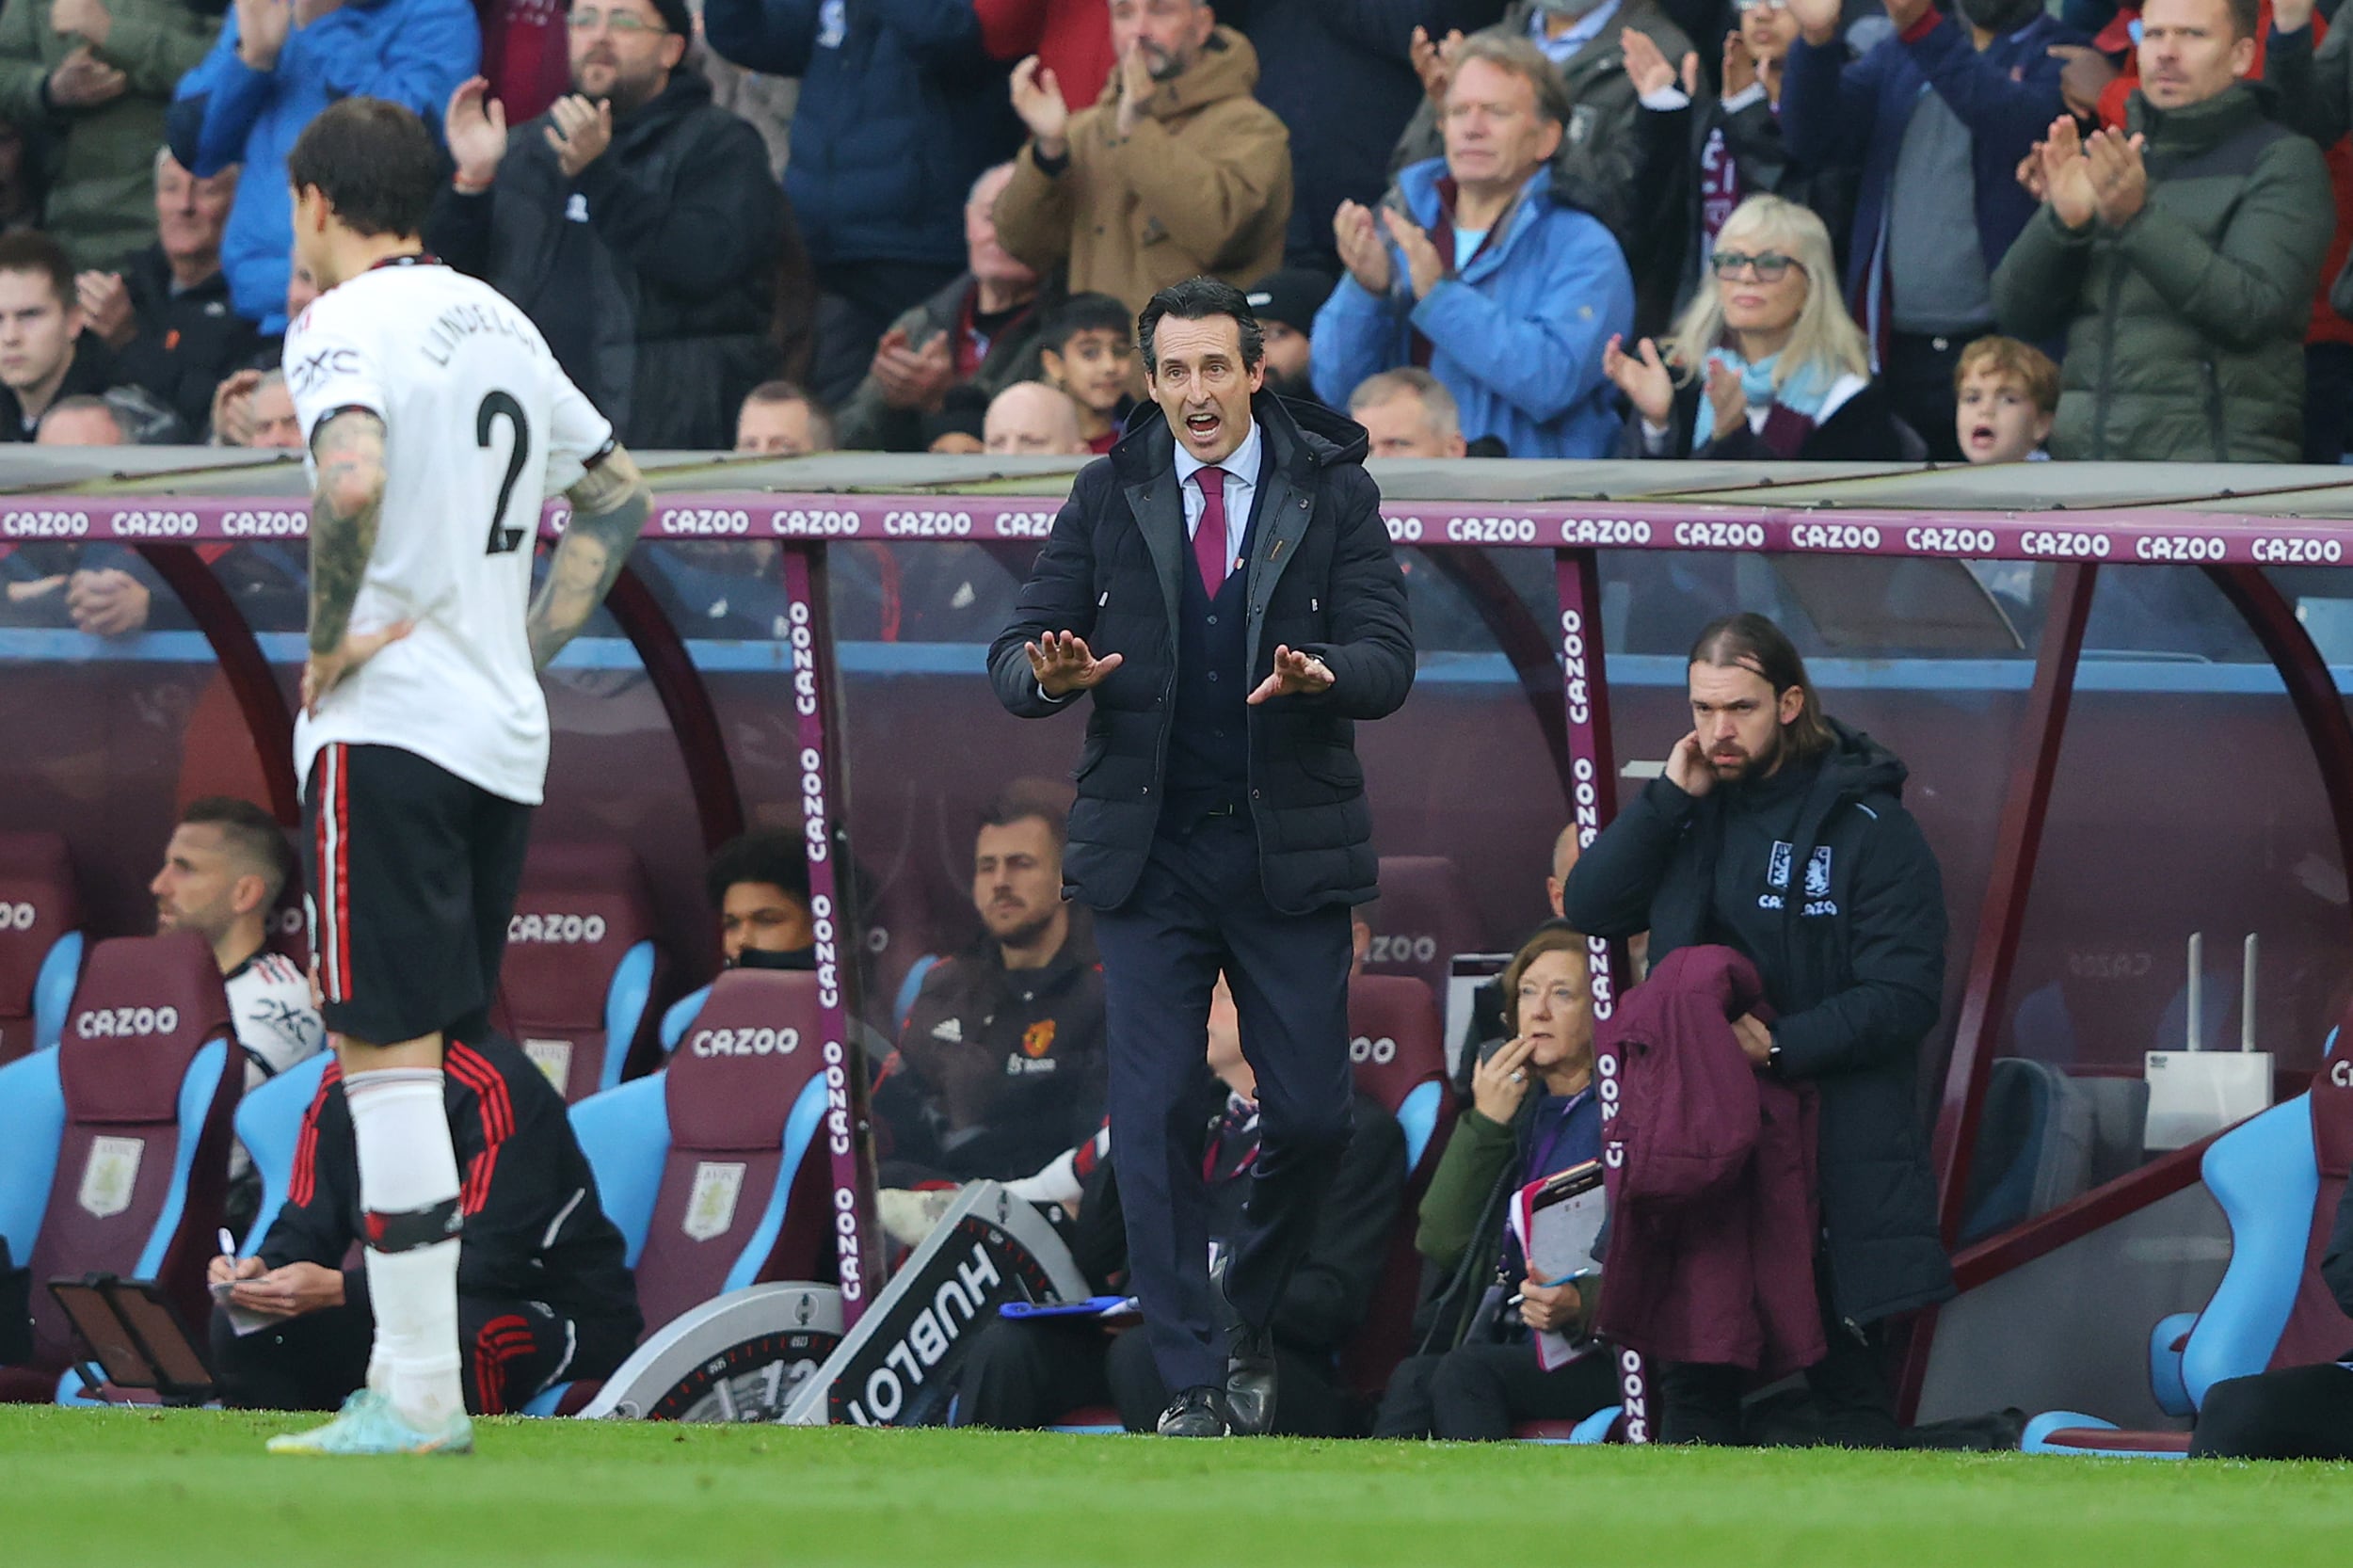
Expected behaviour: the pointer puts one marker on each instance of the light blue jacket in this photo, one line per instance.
(1517, 337)
(413, 52)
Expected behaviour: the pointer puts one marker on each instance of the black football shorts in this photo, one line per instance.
(411, 874)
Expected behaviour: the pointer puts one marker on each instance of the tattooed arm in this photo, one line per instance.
(609, 508)
(345, 509)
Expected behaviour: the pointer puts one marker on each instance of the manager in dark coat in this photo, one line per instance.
(1781, 833)
(1222, 585)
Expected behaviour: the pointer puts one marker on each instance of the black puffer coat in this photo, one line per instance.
(1823, 880)
(1322, 578)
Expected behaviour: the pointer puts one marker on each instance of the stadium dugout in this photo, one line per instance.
(2120, 691)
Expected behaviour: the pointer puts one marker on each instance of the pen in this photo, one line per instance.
(227, 1248)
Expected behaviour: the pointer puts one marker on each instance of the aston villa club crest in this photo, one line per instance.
(710, 1203)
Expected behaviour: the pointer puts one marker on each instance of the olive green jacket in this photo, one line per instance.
(102, 172)
(2185, 327)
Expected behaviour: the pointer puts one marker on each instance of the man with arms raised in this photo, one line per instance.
(1223, 588)
(1781, 833)
(436, 420)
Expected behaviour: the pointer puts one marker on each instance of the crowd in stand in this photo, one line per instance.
(1766, 228)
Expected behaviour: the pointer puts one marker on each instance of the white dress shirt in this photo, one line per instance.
(1242, 487)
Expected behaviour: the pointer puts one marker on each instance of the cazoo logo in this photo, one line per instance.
(746, 1042)
(555, 928)
(1366, 1049)
(115, 1023)
(18, 917)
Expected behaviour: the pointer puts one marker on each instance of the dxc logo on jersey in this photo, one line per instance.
(18, 917)
(1365, 1048)
(557, 928)
(122, 1023)
(317, 367)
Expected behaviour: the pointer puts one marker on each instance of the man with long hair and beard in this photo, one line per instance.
(1780, 832)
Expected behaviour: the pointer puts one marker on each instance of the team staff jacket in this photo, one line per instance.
(997, 1070)
(1823, 880)
(1322, 577)
(535, 1230)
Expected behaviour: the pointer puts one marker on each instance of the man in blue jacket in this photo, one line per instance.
(277, 64)
(901, 110)
(1937, 119)
(1476, 270)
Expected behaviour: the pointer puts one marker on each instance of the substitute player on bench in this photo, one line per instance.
(436, 420)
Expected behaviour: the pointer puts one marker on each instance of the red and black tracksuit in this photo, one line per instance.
(543, 1292)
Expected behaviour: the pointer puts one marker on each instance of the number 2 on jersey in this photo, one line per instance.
(499, 404)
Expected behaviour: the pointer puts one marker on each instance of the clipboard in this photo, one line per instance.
(134, 1338)
(1558, 1221)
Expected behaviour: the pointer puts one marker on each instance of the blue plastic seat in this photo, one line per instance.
(2277, 1177)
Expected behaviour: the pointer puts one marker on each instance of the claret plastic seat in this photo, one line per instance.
(581, 967)
(114, 1147)
(1425, 916)
(41, 940)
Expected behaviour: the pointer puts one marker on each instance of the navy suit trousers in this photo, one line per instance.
(1200, 908)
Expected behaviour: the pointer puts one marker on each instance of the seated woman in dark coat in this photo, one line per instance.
(1764, 363)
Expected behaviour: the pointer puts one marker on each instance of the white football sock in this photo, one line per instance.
(407, 1163)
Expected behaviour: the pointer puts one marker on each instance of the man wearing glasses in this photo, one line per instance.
(635, 223)
(1475, 270)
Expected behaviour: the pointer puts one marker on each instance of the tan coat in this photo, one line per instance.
(1202, 185)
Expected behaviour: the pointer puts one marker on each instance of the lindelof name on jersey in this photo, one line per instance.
(453, 326)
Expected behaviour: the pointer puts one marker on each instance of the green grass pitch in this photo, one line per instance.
(191, 1489)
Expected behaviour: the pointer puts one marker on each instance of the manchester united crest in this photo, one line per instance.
(1038, 1038)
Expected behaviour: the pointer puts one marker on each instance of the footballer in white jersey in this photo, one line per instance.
(436, 422)
(480, 427)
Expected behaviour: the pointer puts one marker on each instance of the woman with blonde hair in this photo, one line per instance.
(1765, 363)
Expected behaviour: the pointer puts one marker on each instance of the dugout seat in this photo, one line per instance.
(41, 940)
(270, 1124)
(2278, 1177)
(1425, 916)
(1397, 1046)
(581, 967)
(2035, 1143)
(700, 1164)
(114, 1148)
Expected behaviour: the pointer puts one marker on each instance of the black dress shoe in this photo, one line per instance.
(1250, 1382)
(1198, 1413)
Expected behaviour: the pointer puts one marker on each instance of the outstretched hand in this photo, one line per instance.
(1063, 663)
(1296, 674)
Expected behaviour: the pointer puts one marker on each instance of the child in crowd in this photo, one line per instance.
(2009, 391)
(1087, 349)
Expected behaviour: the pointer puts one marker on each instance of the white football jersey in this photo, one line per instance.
(480, 426)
